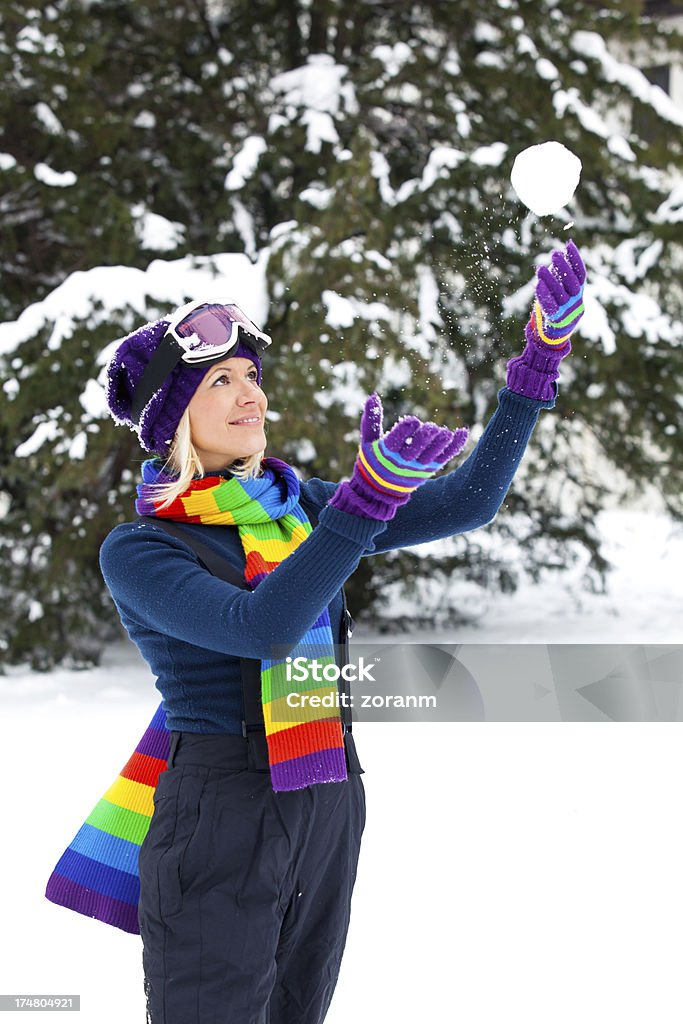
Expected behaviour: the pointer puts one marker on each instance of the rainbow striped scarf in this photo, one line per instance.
(98, 874)
(305, 744)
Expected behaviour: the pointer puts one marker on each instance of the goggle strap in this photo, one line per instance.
(161, 365)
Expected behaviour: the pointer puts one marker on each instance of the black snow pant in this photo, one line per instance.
(245, 893)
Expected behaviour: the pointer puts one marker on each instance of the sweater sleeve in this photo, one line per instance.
(157, 581)
(469, 496)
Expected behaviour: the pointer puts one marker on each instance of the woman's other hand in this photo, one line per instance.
(390, 467)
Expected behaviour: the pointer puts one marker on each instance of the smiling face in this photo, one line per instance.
(227, 414)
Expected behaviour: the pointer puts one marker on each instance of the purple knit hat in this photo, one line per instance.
(161, 415)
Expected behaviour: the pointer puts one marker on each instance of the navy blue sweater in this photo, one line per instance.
(192, 628)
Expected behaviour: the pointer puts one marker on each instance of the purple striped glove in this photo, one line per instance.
(558, 308)
(390, 467)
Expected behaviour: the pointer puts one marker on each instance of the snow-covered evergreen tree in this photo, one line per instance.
(344, 169)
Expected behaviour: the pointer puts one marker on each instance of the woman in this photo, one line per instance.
(247, 870)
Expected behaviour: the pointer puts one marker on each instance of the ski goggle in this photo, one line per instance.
(199, 333)
(207, 330)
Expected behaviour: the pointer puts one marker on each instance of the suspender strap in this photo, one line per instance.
(220, 567)
(211, 560)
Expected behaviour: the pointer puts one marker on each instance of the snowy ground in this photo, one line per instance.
(643, 604)
(509, 870)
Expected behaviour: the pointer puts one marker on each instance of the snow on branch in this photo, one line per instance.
(590, 44)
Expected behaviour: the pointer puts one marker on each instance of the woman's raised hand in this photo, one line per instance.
(557, 310)
(559, 297)
(390, 467)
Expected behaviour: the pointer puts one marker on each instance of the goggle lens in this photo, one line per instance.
(205, 325)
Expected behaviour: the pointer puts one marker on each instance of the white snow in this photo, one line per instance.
(441, 159)
(671, 210)
(345, 389)
(394, 373)
(244, 223)
(341, 312)
(590, 44)
(635, 257)
(491, 59)
(315, 94)
(319, 128)
(97, 293)
(393, 57)
(590, 119)
(427, 303)
(156, 232)
(93, 401)
(487, 849)
(48, 119)
(405, 92)
(547, 70)
(78, 445)
(317, 196)
(7, 162)
(55, 179)
(245, 162)
(595, 325)
(596, 124)
(145, 119)
(277, 121)
(30, 39)
(451, 63)
(377, 258)
(48, 430)
(463, 124)
(641, 314)
(523, 43)
(305, 450)
(618, 145)
(641, 606)
(485, 32)
(545, 177)
(489, 156)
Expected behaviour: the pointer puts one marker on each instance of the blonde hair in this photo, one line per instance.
(184, 463)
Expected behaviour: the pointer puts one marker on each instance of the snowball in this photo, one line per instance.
(545, 177)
